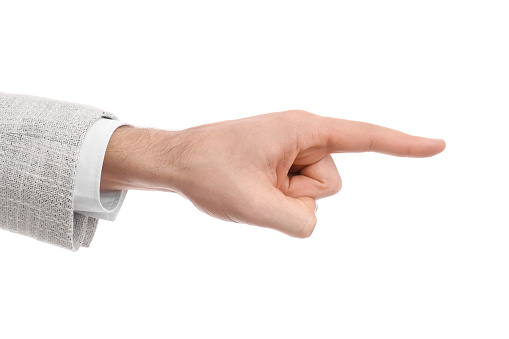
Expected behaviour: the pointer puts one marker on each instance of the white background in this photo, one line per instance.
(410, 248)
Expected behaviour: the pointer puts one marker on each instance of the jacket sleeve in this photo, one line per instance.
(40, 140)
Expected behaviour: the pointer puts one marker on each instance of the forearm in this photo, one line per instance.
(139, 159)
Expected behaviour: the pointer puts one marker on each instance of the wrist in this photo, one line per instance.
(140, 159)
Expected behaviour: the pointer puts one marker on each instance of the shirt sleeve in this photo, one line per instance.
(88, 199)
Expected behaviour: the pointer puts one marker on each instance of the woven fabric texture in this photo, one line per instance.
(40, 140)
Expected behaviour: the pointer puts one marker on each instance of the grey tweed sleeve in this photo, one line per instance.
(40, 140)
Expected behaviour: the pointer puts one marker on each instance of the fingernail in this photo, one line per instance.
(438, 140)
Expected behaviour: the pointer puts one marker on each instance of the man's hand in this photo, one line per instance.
(267, 170)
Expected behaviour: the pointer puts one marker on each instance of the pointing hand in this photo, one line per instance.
(267, 170)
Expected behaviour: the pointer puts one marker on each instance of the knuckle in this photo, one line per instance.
(302, 112)
(297, 113)
(307, 229)
(295, 120)
(331, 186)
(336, 186)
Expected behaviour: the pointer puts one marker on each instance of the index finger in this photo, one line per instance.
(355, 136)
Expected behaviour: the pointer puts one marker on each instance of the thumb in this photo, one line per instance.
(293, 216)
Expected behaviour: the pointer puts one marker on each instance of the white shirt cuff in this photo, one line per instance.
(88, 199)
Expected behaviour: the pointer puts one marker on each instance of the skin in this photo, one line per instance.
(266, 170)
